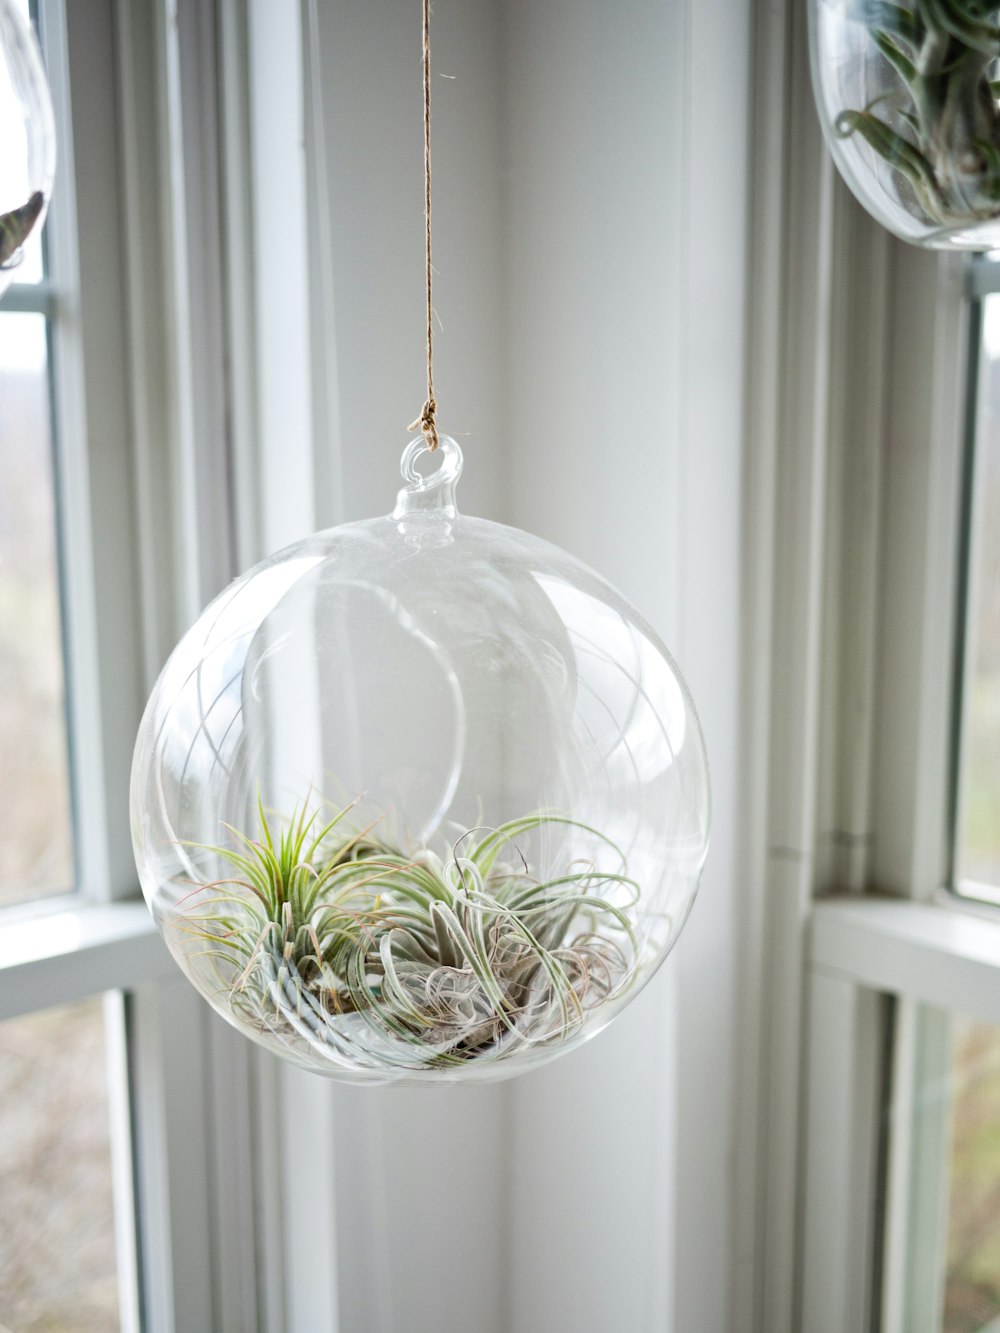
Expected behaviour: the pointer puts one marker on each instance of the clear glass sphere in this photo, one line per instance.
(906, 98)
(27, 138)
(420, 797)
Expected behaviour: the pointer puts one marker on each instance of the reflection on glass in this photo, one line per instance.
(36, 851)
(979, 832)
(57, 1245)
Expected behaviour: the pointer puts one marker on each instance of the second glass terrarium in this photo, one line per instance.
(420, 797)
(907, 97)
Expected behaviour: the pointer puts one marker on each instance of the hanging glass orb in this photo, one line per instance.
(907, 98)
(27, 138)
(420, 797)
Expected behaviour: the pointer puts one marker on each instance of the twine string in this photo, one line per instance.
(426, 423)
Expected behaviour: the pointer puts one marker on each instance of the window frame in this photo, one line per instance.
(141, 391)
(856, 437)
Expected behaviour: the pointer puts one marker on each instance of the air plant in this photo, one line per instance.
(329, 935)
(16, 226)
(940, 129)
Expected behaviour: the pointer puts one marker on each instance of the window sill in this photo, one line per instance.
(934, 953)
(76, 951)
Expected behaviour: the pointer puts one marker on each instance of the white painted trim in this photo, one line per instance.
(937, 955)
(151, 371)
(898, 1165)
(173, 1166)
(80, 950)
(922, 486)
(72, 432)
(765, 312)
(327, 442)
(713, 476)
(860, 368)
(30, 298)
(856, 350)
(790, 340)
(187, 228)
(845, 1047)
(240, 287)
(122, 1164)
(284, 408)
(976, 458)
(309, 1220)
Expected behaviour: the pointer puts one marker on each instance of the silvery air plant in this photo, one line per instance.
(915, 85)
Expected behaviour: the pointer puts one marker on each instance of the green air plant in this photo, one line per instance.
(15, 228)
(329, 935)
(940, 130)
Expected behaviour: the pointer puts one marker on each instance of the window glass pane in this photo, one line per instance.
(978, 850)
(57, 1245)
(972, 1287)
(36, 849)
(948, 1189)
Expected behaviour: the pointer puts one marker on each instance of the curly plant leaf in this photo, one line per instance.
(896, 57)
(878, 15)
(938, 123)
(964, 24)
(889, 145)
(15, 227)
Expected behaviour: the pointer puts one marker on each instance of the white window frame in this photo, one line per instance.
(149, 260)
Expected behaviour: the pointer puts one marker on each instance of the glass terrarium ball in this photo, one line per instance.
(421, 797)
(27, 138)
(906, 94)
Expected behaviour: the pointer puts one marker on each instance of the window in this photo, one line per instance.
(877, 906)
(111, 1074)
(952, 1126)
(66, 1257)
(942, 1117)
(37, 858)
(58, 1261)
(978, 825)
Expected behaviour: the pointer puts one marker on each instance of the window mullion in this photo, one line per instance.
(38, 298)
(929, 333)
(845, 1048)
(169, 1093)
(92, 443)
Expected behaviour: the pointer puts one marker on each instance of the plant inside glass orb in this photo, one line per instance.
(329, 933)
(939, 129)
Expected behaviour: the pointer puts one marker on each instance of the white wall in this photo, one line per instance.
(420, 1173)
(371, 80)
(594, 155)
(590, 166)
(626, 184)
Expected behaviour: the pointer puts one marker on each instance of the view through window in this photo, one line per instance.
(58, 1268)
(57, 1245)
(36, 855)
(978, 841)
